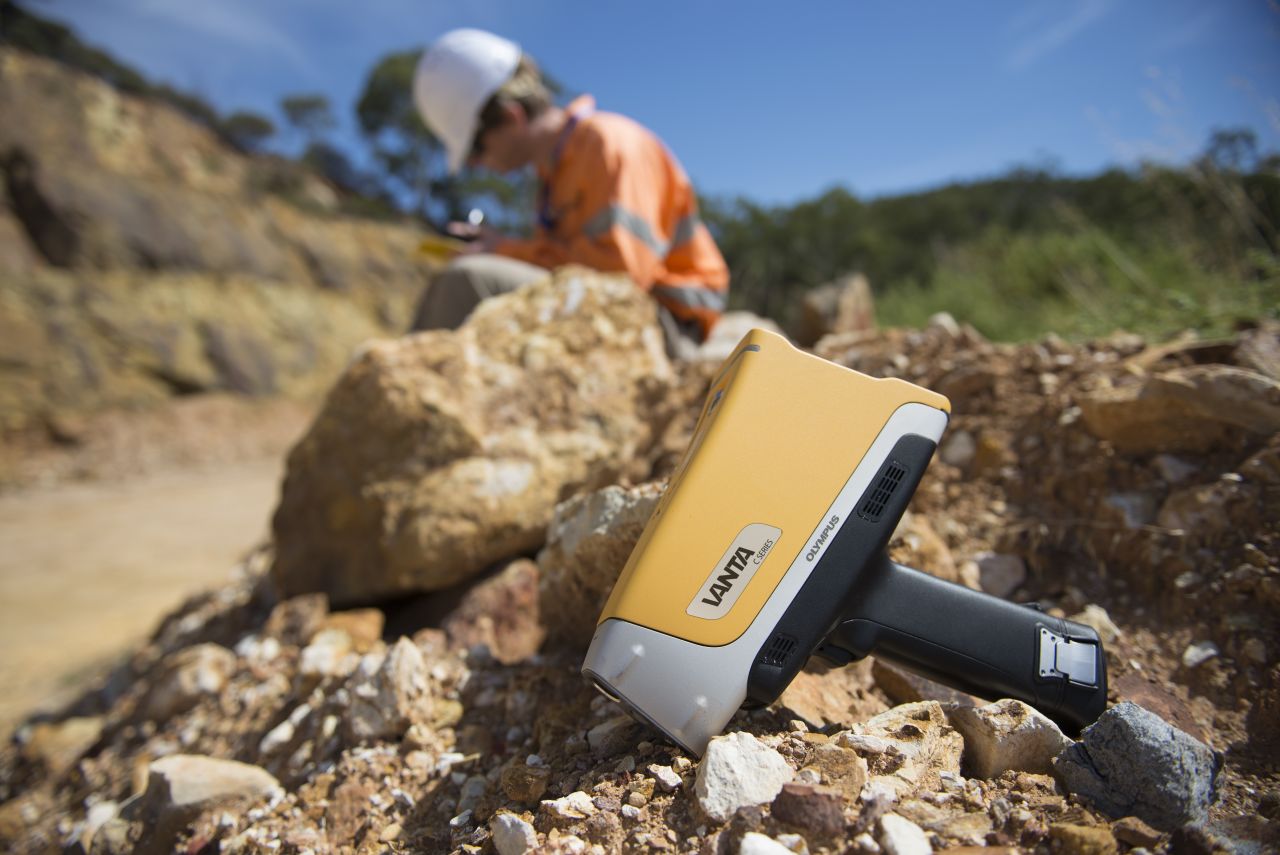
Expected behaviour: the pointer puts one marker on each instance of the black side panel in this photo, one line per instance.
(823, 600)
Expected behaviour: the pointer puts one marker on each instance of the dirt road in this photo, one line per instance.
(88, 569)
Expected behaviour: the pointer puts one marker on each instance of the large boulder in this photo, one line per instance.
(441, 453)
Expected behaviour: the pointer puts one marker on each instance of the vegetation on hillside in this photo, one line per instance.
(1153, 250)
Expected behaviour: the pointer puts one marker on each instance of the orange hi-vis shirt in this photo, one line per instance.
(615, 199)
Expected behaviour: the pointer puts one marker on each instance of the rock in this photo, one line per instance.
(908, 746)
(58, 746)
(524, 783)
(948, 818)
(1008, 735)
(173, 263)
(1096, 616)
(945, 322)
(1198, 653)
(843, 306)
(577, 805)
(297, 619)
(388, 694)
(1135, 832)
(900, 836)
(728, 331)
(331, 653)
(817, 810)
(1255, 652)
(589, 541)
(1185, 409)
(755, 843)
(958, 449)
(916, 544)
(614, 735)
(183, 785)
(1205, 510)
(501, 613)
(1131, 762)
(185, 677)
(1000, 574)
(907, 687)
(469, 438)
(1132, 510)
(473, 789)
(839, 767)
(362, 626)
(665, 777)
(1083, 839)
(512, 835)
(822, 696)
(738, 770)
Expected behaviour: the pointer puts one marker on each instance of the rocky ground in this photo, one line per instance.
(1131, 487)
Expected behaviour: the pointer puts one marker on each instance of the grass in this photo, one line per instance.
(1083, 283)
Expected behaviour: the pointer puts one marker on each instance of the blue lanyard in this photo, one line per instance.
(545, 219)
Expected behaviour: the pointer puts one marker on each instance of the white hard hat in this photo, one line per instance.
(455, 78)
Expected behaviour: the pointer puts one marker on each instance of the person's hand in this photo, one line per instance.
(479, 238)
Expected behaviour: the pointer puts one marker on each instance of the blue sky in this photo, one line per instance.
(778, 101)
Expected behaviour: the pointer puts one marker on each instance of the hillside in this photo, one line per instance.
(397, 666)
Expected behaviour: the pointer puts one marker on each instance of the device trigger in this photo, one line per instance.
(838, 657)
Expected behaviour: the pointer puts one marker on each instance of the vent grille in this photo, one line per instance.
(878, 496)
(775, 653)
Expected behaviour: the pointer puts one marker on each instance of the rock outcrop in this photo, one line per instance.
(440, 453)
(141, 259)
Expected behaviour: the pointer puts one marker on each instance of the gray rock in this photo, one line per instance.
(1000, 574)
(755, 843)
(512, 835)
(667, 779)
(1130, 762)
(1008, 735)
(189, 783)
(187, 676)
(958, 450)
(738, 770)
(1199, 653)
(388, 693)
(901, 836)
(179, 788)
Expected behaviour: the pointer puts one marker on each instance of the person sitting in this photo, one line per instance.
(611, 197)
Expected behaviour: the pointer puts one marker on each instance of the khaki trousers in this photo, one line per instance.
(455, 291)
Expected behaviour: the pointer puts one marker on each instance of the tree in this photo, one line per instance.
(1234, 150)
(409, 154)
(247, 131)
(311, 115)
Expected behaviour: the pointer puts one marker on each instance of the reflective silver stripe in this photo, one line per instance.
(616, 215)
(692, 296)
(684, 231)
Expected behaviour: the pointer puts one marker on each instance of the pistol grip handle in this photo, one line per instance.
(975, 642)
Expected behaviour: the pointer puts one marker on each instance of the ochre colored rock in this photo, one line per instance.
(441, 453)
(1186, 409)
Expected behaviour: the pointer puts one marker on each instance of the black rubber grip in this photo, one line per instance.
(971, 641)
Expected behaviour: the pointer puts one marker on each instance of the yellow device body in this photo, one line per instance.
(778, 436)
